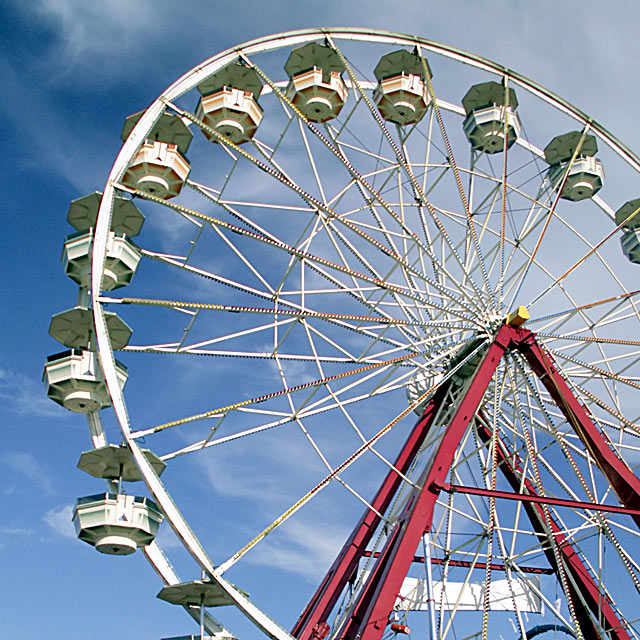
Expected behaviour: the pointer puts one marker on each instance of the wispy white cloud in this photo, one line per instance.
(15, 536)
(23, 395)
(303, 548)
(166, 538)
(26, 465)
(64, 149)
(87, 33)
(227, 474)
(16, 531)
(59, 519)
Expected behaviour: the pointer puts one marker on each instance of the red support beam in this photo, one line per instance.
(373, 607)
(526, 497)
(375, 602)
(623, 481)
(324, 599)
(585, 594)
(467, 563)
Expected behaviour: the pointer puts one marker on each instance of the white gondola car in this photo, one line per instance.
(233, 113)
(159, 168)
(195, 592)
(583, 177)
(631, 244)
(74, 380)
(316, 86)
(122, 260)
(113, 462)
(229, 103)
(402, 94)
(318, 99)
(628, 215)
(116, 524)
(125, 217)
(489, 110)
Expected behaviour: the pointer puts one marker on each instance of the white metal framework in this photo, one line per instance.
(316, 270)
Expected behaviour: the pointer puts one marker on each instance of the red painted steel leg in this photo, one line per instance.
(580, 581)
(343, 568)
(374, 605)
(623, 481)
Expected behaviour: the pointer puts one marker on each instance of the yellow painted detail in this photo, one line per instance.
(518, 317)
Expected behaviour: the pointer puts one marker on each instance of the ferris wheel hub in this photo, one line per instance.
(518, 316)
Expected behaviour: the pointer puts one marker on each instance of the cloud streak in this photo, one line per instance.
(86, 34)
(26, 465)
(302, 548)
(24, 396)
(59, 519)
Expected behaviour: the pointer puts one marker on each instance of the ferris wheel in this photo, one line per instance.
(378, 285)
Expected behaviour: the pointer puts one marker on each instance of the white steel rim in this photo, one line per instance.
(146, 122)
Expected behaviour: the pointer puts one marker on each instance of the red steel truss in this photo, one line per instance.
(346, 564)
(370, 614)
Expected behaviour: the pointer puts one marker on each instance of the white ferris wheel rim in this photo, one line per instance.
(183, 85)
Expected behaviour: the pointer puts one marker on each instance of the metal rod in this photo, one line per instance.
(495, 566)
(523, 497)
(583, 589)
(426, 546)
(623, 481)
(377, 597)
(202, 616)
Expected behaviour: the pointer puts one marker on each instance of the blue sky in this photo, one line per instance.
(71, 72)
